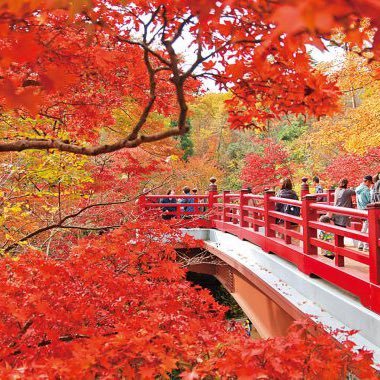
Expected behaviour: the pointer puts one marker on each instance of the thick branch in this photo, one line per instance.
(21, 145)
(152, 90)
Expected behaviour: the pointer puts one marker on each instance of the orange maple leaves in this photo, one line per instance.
(257, 50)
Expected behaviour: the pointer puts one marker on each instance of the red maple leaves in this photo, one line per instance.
(79, 61)
(117, 306)
(265, 168)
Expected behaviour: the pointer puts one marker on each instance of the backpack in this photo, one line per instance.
(292, 210)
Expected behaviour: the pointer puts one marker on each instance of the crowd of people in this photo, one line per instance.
(169, 212)
(367, 192)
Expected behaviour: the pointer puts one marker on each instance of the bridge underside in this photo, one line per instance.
(266, 315)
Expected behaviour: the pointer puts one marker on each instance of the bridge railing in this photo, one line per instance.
(297, 239)
(194, 214)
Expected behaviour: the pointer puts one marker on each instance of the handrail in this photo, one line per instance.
(253, 217)
(340, 210)
(177, 196)
(286, 201)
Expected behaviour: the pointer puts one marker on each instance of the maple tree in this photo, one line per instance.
(48, 200)
(95, 313)
(97, 76)
(337, 146)
(72, 64)
(195, 173)
(265, 168)
(354, 167)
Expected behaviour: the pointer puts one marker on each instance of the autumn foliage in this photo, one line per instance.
(118, 306)
(265, 168)
(80, 82)
(354, 166)
(70, 64)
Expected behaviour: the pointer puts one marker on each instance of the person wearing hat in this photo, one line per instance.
(363, 198)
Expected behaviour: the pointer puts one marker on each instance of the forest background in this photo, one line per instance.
(346, 144)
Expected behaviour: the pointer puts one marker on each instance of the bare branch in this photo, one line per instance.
(202, 257)
(61, 225)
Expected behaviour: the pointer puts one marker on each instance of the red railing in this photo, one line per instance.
(295, 238)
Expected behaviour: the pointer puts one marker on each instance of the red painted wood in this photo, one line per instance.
(225, 209)
(337, 230)
(255, 221)
(290, 231)
(243, 201)
(346, 252)
(374, 249)
(309, 233)
(253, 218)
(330, 196)
(269, 205)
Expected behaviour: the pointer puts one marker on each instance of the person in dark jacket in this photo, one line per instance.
(186, 191)
(169, 210)
(343, 198)
(286, 191)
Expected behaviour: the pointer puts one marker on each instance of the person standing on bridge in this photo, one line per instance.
(343, 198)
(375, 194)
(363, 198)
(169, 210)
(318, 188)
(287, 191)
(187, 199)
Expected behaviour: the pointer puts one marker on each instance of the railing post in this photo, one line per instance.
(224, 212)
(308, 214)
(374, 235)
(304, 187)
(330, 196)
(308, 233)
(212, 191)
(196, 208)
(268, 220)
(243, 201)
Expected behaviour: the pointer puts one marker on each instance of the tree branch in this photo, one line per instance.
(61, 225)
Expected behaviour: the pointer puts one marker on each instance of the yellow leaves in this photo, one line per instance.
(50, 208)
(66, 169)
(357, 128)
(13, 208)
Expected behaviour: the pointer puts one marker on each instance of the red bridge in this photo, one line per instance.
(253, 218)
